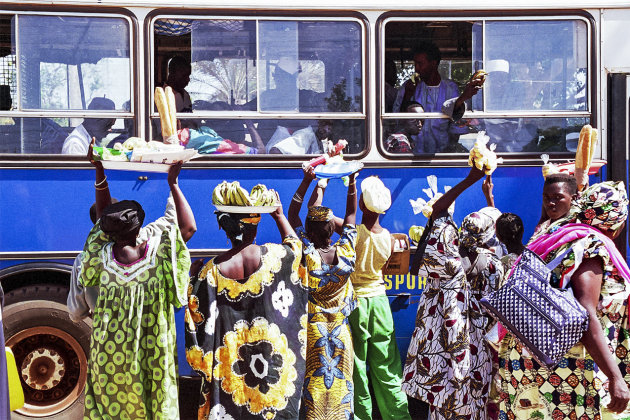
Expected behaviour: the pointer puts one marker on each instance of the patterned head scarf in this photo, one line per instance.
(604, 206)
(122, 218)
(235, 224)
(319, 214)
(478, 227)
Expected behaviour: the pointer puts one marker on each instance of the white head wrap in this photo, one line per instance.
(497, 65)
(376, 195)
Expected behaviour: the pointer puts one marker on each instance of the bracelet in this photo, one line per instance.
(298, 198)
(101, 183)
(104, 187)
(354, 193)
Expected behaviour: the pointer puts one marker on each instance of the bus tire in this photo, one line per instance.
(50, 351)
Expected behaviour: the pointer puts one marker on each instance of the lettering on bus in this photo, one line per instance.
(406, 281)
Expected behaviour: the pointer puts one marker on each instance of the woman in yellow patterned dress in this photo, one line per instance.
(246, 325)
(328, 389)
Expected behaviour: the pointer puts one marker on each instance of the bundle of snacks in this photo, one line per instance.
(232, 194)
(483, 157)
(421, 205)
(480, 74)
(548, 168)
(134, 149)
(584, 154)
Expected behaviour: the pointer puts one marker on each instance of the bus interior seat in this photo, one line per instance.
(53, 136)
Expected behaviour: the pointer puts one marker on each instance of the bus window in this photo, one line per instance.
(73, 71)
(281, 69)
(544, 78)
(72, 60)
(547, 72)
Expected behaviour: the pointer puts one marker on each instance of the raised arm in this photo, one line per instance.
(283, 224)
(586, 285)
(260, 146)
(470, 90)
(101, 188)
(487, 187)
(298, 197)
(185, 216)
(351, 201)
(445, 201)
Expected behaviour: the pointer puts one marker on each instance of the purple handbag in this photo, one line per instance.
(546, 320)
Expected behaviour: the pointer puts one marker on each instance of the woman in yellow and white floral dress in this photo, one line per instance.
(328, 387)
(245, 325)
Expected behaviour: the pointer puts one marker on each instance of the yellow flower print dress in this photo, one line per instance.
(246, 337)
(328, 387)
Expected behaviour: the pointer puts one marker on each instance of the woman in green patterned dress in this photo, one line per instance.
(328, 385)
(132, 370)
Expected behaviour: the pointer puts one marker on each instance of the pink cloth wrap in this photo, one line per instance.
(568, 233)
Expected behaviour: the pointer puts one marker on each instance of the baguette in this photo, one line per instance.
(172, 108)
(584, 154)
(162, 107)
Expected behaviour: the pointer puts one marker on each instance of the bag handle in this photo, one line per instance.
(422, 245)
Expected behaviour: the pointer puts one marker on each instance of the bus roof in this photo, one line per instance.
(452, 5)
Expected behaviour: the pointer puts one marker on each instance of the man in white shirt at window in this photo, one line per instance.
(78, 141)
(435, 95)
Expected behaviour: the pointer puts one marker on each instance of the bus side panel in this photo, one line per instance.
(47, 210)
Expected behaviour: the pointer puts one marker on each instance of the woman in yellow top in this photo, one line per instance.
(328, 389)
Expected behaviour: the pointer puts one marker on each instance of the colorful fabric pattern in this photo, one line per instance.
(604, 205)
(132, 371)
(328, 385)
(398, 143)
(576, 388)
(252, 357)
(448, 362)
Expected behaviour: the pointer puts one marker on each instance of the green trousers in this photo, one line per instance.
(375, 344)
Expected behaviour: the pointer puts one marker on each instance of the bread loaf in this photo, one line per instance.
(162, 106)
(172, 107)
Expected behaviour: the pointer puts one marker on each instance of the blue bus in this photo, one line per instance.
(558, 65)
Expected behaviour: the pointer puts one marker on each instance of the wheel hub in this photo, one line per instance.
(43, 369)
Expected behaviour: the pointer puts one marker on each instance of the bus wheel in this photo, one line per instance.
(50, 351)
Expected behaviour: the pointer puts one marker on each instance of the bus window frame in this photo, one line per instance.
(279, 15)
(47, 160)
(461, 159)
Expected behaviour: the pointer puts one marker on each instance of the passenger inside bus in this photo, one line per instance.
(306, 141)
(128, 130)
(510, 135)
(78, 141)
(286, 96)
(179, 71)
(436, 95)
(401, 141)
(391, 92)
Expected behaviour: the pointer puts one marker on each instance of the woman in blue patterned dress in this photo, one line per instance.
(328, 387)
